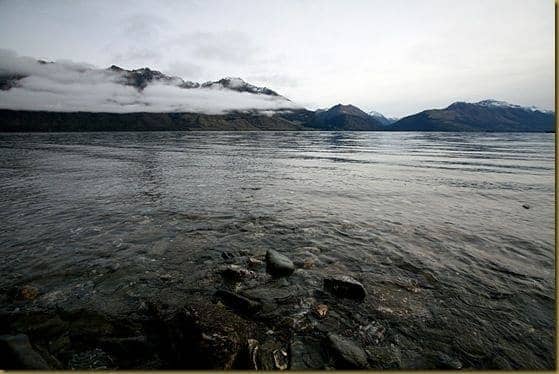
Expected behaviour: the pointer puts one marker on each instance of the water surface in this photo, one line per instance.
(432, 224)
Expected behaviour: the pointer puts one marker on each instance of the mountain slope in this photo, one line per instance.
(483, 116)
(344, 117)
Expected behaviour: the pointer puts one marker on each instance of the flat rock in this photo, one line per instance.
(344, 286)
(347, 354)
(16, 352)
(278, 265)
(238, 302)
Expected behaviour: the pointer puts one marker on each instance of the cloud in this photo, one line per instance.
(68, 86)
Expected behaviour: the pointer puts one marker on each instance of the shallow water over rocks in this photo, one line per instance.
(126, 237)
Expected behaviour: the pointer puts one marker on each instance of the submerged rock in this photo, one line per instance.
(238, 302)
(16, 352)
(347, 354)
(93, 359)
(446, 362)
(278, 265)
(305, 354)
(235, 273)
(344, 286)
(388, 357)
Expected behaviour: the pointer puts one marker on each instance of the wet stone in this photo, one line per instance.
(344, 286)
(305, 354)
(446, 362)
(235, 273)
(278, 265)
(238, 302)
(526, 206)
(347, 354)
(93, 359)
(388, 357)
(16, 352)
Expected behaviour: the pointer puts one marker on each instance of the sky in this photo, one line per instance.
(396, 57)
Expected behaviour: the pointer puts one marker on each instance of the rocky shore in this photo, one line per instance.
(262, 311)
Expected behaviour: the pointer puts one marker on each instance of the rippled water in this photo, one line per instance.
(433, 224)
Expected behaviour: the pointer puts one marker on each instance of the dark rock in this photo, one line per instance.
(238, 302)
(388, 357)
(16, 352)
(235, 273)
(93, 359)
(227, 255)
(305, 354)
(347, 354)
(446, 362)
(344, 286)
(526, 206)
(278, 265)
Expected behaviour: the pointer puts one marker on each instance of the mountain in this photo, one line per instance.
(381, 118)
(344, 117)
(483, 116)
(48, 121)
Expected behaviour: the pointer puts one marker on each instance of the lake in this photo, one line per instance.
(451, 235)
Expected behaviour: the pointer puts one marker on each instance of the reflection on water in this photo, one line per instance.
(383, 207)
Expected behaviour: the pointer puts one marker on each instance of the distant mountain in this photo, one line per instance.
(344, 117)
(381, 118)
(483, 116)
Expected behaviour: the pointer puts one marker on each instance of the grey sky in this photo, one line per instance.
(396, 57)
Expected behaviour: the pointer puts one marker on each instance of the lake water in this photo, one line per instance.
(432, 224)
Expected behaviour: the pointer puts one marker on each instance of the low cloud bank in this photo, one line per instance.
(67, 86)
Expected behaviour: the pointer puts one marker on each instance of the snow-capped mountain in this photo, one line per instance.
(486, 116)
(504, 104)
(381, 118)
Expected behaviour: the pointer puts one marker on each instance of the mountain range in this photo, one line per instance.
(260, 109)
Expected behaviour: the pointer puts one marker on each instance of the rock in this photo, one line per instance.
(238, 302)
(227, 255)
(27, 292)
(320, 310)
(278, 265)
(526, 206)
(16, 352)
(280, 359)
(347, 354)
(344, 286)
(235, 273)
(446, 362)
(304, 354)
(280, 295)
(254, 262)
(372, 334)
(388, 357)
(93, 359)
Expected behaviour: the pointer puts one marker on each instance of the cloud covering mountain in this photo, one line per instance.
(66, 86)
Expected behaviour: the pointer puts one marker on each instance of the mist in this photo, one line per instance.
(68, 86)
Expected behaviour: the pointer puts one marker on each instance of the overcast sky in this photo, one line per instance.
(396, 57)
